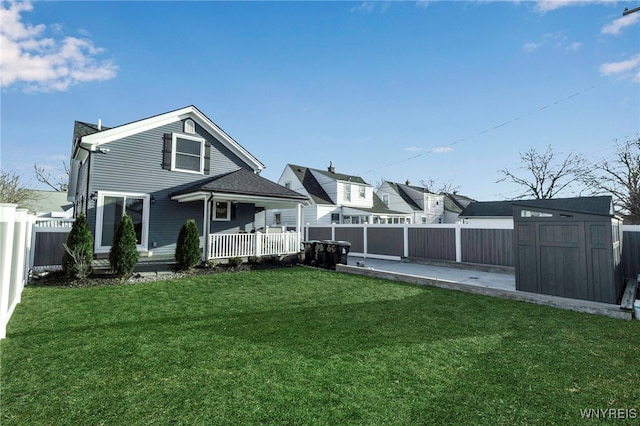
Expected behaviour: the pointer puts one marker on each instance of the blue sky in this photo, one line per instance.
(448, 91)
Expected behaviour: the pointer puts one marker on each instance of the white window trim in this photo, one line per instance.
(362, 191)
(174, 138)
(213, 211)
(99, 218)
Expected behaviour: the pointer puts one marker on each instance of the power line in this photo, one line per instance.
(487, 130)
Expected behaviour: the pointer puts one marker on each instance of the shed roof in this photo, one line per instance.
(600, 205)
(488, 209)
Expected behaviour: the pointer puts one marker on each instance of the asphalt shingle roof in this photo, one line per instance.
(311, 185)
(243, 182)
(488, 209)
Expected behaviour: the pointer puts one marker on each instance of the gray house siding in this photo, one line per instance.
(242, 220)
(135, 164)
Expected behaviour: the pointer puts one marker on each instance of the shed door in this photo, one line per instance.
(562, 259)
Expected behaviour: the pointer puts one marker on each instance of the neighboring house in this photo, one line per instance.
(49, 204)
(424, 206)
(166, 169)
(488, 213)
(454, 204)
(335, 198)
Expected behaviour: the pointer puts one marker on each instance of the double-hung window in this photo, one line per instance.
(347, 192)
(187, 153)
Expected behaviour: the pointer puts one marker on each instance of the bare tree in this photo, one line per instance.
(378, 184)
(620, 177)
(12, 191)
(447, 187)
(59, 181)
(547, 174)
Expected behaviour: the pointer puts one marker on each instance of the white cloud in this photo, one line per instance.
(441, 149)
(412, 149)
(615, 27)
(573, 47)
(544, 6)
(630, 66)
(42, 63)
(556, 40)
(531, 46)
(371, 6)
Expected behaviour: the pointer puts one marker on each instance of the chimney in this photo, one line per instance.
(99, 123)
(407, 182)
(331, 169)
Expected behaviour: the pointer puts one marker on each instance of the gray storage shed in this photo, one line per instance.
(569, 247)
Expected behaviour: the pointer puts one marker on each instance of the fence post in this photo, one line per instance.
(7, 224)
(365, 242)
(405, 238)
(17, 258)
(458, 243)
(28, 251)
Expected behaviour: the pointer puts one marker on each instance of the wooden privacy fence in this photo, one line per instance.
(473, 243)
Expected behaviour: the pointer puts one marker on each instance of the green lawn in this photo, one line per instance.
(305, 346)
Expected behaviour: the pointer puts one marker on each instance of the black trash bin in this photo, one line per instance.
(343, 249)
(309, 252)
(321, 253)
(332, 255)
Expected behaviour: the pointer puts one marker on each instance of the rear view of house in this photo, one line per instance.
(164, 170)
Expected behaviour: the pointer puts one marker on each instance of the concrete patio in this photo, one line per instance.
(472, 279)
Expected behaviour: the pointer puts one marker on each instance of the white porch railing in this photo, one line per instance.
(223, 246)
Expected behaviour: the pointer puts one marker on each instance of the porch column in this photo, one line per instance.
(298, 218)
(206, 229)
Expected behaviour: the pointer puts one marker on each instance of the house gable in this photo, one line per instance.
(92, 137)
(302, 180)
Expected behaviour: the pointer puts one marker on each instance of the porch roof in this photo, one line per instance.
(244, 186)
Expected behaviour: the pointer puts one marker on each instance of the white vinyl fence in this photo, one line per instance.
(15, 245)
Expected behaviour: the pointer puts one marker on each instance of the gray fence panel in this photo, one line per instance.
(49, 249)
(487, 246)
(432, 243)
(631, 253)
(354, 235)
(386, 241)
(319, 233)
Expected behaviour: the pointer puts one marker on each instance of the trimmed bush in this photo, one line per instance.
(123, 255)
(188, 252)
(235, 262)
(78, 253)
